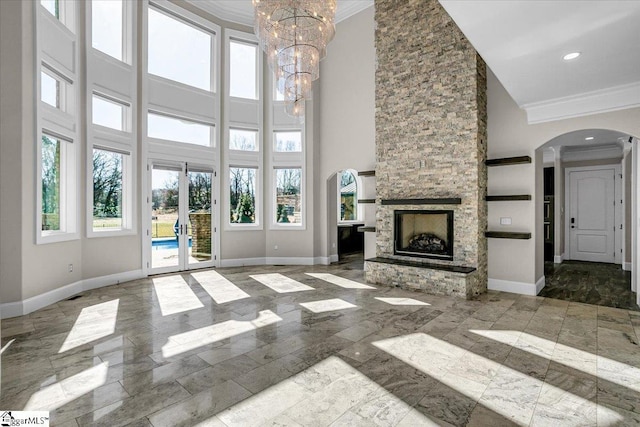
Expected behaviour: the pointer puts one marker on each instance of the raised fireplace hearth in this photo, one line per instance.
(424, 233)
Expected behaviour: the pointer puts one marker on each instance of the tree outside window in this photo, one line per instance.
(242, 182)
(348, 189)
(50, 183)
(107, 189)
(288, 196)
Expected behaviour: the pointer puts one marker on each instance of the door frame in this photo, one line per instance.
(162, 160)
(617, 214)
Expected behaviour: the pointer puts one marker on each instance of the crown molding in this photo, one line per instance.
(600, 101)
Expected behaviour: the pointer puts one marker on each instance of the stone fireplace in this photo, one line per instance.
(423, 233)
(431, 131)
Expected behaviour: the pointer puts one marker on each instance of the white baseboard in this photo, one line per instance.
(540, 283)
(29, 305)
(242, 262)
(557, 259)
(516, 287)
(626, 266)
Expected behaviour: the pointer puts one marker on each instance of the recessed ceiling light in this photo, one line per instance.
(589, 138)
(570, 56)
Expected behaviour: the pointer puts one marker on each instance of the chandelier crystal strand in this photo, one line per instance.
(294, 34)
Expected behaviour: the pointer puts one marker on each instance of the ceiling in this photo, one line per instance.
(523, 43)
(241, 11)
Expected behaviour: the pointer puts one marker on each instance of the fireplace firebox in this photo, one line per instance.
(424, 233)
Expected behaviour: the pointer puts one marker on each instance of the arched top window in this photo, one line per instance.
(347, 196)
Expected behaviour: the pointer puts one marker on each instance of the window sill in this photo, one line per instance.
(55, 237)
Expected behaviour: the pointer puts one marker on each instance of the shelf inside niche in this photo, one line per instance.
(519, 160)
(509, 198)
(507, 235)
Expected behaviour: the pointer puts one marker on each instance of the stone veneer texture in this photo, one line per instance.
(431, 125)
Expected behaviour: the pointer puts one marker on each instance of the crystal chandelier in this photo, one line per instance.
(294, 34)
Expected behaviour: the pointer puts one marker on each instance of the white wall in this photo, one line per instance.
(10, 151)
(347, 116)
(509, 134)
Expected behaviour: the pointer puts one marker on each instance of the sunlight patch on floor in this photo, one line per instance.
(485, 381)
(218, 287)
(401, 301)
(93, 322)
(327, 305)
(340, 281)
(589, 363)
(190, 340)
(330, 391)
(59, 394)
(175, 295)
(281, 284)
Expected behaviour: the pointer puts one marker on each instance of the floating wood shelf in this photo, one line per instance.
(446, 201)
(366, 200)
(367, 173)
(507, 235)
(508, 161)
(367, 229)
(510, 198)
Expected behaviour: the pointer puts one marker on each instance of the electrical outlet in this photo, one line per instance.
(505, 221)
(333, 245)
(70, 268)
(275, 247)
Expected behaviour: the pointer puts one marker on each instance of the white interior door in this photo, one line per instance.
(181, 228)
(591, 215)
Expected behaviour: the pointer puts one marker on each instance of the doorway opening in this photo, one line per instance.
(587, 218)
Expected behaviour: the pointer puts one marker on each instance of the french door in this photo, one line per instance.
(181, 227)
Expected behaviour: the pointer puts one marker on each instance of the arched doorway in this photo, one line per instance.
(587, 210)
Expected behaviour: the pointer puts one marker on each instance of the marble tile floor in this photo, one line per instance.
(331, 355)
(590, 283)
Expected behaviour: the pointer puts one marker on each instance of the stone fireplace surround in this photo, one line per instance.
(430, 145)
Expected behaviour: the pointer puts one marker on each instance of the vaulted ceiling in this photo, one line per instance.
(523, 43)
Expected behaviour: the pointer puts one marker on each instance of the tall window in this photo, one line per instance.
(179, 51)
(288, 196)
(107, 20)
(242, 183)
(110, 113)
(288, 142)
(243, 140)
(49, 90)
(243, 65)
(288, 178)
(348, 196)
(109, 169)
(51, 185)
(179, 130)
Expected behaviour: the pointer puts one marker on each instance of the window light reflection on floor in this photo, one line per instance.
(340, 281)
(218, 287)
(190, 340)
(310, 398)
(401, 301)
(281, 284)
(589, 363)
(175, 295)
(325, 305)
(93, 322)
(59, 394)
(454, 367)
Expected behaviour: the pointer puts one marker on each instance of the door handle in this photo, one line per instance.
(180, 228)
